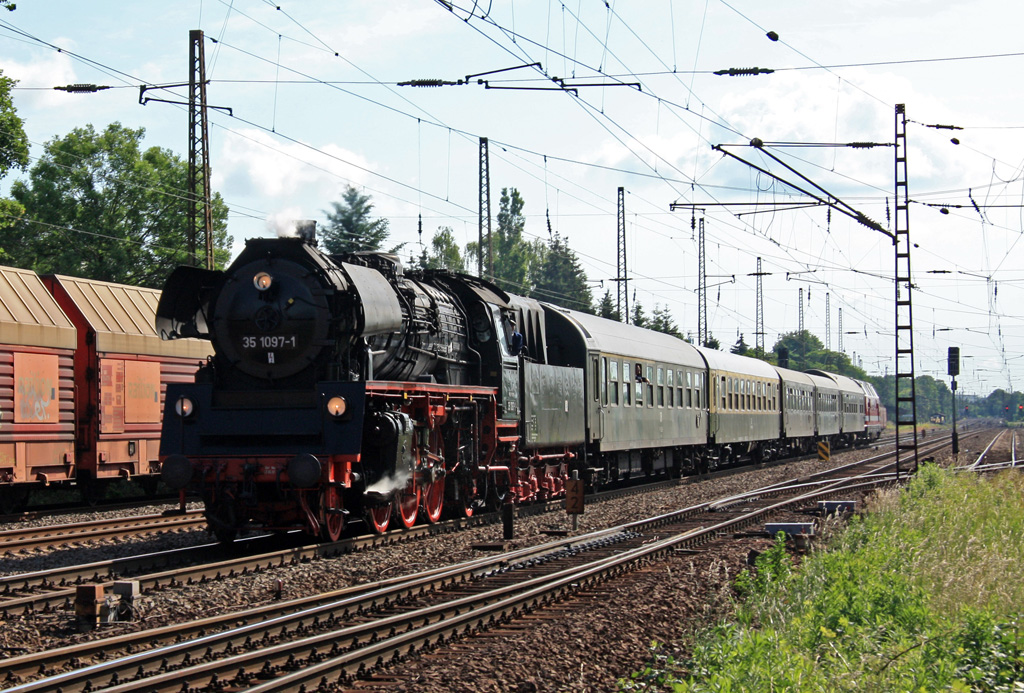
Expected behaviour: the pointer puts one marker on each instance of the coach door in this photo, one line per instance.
(597, 396)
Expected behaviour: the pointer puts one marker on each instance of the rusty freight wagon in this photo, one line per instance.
(37, 431)
(121, 368)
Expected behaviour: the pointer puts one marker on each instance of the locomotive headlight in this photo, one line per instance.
(336, 406)
(262, 281)
(184, 406)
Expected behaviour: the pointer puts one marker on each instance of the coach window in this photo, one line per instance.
(689, 389)
(679, 393)
(613, 376)
(650, 386)
(627, 383)
(724, 383)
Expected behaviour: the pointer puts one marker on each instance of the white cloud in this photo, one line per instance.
(47, 71)
(254, 163)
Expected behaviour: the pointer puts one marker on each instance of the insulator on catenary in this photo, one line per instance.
(745, 71)
(430, 83)
(81, 88)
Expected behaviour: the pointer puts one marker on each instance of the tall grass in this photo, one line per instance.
(922, 593)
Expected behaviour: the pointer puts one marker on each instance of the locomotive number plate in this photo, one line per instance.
(270, 341)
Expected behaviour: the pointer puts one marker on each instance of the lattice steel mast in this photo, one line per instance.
(199, 209)
(484, 254)
(906, 392)
(702, 288)
(621, 278)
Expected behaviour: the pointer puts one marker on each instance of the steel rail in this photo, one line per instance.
(137, 665)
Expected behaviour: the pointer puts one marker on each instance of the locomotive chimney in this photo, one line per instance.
(306, 230)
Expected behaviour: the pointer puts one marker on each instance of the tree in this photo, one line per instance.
(512, 253)
(13, 155)
(740, 347)
(444, 252)
(800, 345)
(606, 309)
(97, 206)
(561, 280)
(661, 321)
(349, 228)
(639, 318)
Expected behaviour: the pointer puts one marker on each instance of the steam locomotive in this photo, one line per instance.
(347, 388)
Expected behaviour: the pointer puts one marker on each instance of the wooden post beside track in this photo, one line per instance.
(574, 493)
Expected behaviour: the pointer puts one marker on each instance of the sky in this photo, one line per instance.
(624, 95)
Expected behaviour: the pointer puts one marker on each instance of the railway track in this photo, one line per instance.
(333, 637)
(52, 590)
(56, 536)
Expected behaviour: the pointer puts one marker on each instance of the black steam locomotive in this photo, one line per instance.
(343, 387)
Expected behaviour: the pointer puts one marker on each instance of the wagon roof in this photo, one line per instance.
(29, 315)
(791, 376)
(612, 337)
(123, 318)
(845, 383)
(734, 363)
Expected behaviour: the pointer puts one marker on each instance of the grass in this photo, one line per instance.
(921, 593)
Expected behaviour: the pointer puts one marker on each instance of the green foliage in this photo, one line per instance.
(771, 567)
(349, 228)
(712, 342)
(560, 279)
(639, 317)
(512, 253)
(98, 206)
(606, 309)
(444, 252)
(740, 347)
(661, 321)
(913, 596)
(13, 140)
(806, 352)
